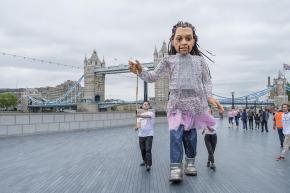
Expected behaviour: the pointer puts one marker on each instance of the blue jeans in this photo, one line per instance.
(237, 121)
(245, 124)
(281, 136)
(179, 137)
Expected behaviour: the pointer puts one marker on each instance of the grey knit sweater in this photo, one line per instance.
(189, 84)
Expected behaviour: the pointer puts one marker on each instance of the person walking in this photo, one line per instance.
(145, 125)
(286, 132)
(277, 124)
(231, 115)
(210, 140)
(251, 119)
(245, 119)
(190, 89)
(265, 117)
(257, 118)
(237, 117)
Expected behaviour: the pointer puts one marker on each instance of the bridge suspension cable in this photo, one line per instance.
(40, 60)
(50, 62)
(250, 97)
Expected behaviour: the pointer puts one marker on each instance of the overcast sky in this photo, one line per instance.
(251, 39)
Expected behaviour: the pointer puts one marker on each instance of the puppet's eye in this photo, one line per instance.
(188, 38)
(178, 39)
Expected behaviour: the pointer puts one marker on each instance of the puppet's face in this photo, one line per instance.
(183, 41)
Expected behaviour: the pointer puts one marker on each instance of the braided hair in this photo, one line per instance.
(195, 50)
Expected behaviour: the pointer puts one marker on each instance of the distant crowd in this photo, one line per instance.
(281, 123)
(250, 118)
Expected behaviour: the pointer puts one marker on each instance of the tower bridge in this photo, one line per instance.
(94, 92)
(94, 81)
(92, 98)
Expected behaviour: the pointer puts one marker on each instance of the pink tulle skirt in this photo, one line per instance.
(198, 121)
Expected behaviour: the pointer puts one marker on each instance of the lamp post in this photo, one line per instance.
(233, 104)
(145, 91)
(246, 102)
(256, 103)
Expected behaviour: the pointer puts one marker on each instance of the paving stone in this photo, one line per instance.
(107, 160)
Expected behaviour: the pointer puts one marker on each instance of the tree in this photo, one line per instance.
(8, 100)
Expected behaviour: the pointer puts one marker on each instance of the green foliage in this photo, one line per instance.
(8, 100)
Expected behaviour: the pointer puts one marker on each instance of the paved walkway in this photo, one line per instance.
(107, 161)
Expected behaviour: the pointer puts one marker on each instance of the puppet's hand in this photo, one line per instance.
(135, 67)
(216, 104)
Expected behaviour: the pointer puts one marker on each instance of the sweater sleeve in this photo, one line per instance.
(159, 70)
(206, 79)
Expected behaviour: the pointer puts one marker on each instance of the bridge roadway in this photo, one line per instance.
(107, 161)
(121, 68)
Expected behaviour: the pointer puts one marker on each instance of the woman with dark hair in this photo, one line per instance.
(210, 140)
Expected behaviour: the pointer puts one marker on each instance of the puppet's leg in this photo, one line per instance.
(189, 168)
(176, 154)
(189, 142)
(176, 172)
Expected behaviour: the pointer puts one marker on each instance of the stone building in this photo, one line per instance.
(52, 93)
(24, 101)
(94, 84)
(162, 85)
(279, 92)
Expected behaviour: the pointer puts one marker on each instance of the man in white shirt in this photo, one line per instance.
(286, 132)
(145, 125)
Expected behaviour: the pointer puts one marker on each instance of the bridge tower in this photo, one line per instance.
(94, 85)
(279, 93)
(162, 85)
(94, 90)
